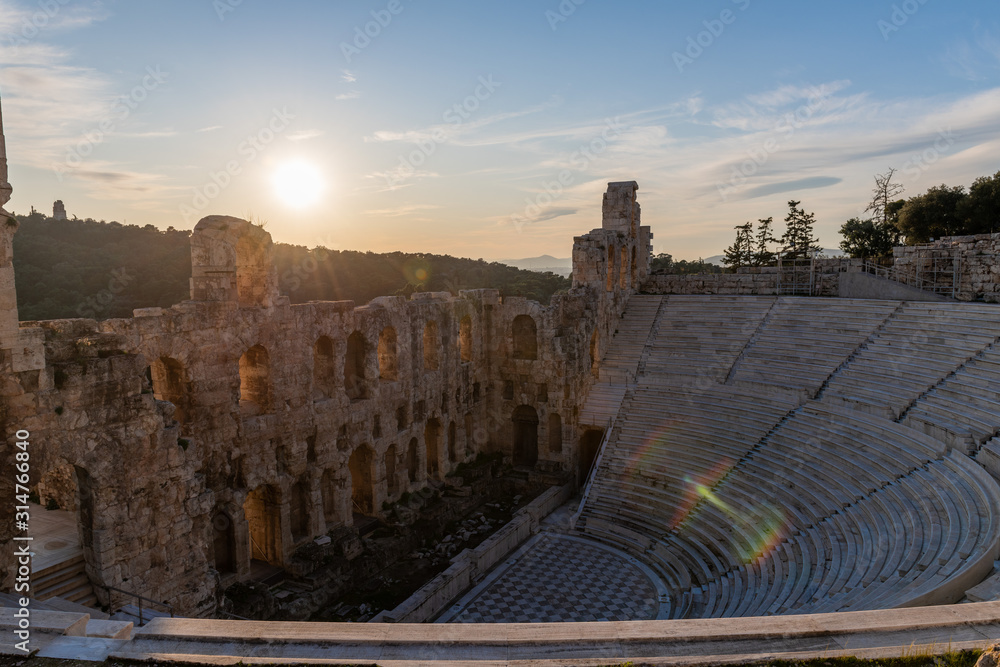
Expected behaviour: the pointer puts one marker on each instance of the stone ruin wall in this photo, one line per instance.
(757, 280)
(236, 425)
(976, 258)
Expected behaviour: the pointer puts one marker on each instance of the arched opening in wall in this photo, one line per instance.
(170, 384)
(354, 367)
(252, 267)
(388, 355)
(595, 353)
(298, 511)
(610, 286)
(465, 338)
(525, 449)
(224, 543)
(324, 363)
(330, 514)
(432, 444)
(412, 460)
(635, 269)
(262, 509)
(391, 483)
(453, 442)
(589, 444)
(555, 433)
(361, 465)
(623, 270)
(432, 344)
(525, 338)
(255, 381)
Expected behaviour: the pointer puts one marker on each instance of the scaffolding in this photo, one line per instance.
(935, 270)
(796, 275)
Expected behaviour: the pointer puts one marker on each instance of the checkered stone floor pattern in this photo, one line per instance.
(564, 580)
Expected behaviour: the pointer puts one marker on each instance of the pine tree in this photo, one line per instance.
(798, 238)
(762, 254)
(741, 252)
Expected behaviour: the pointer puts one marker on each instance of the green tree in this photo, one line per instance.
(741, 252)
(982, 208)
(868, 238)
(798, 238)
(936, 213)
(762, 254)
(661, 262)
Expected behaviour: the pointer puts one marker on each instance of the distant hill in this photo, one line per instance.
(100, 270)
(544, 263)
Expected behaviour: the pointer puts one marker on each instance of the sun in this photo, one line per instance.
(298, 184)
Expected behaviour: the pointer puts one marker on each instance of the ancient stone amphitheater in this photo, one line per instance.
(760, 464)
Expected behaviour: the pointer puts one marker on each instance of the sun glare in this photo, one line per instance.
(298, 184)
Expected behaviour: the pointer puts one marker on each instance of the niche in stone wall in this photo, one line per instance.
(324, 368)
(224, 542)
(465, 339)
(525, 337)
(412, 460)
(525, 446)
(255, 381)
(170, 384)
(431, 346)
(354, 367)
(329, 490)
(453, 442)
(635, 269)
(432, 444)
(388, 355)
(392, 484)
(610, 286)
(262, 509)
(362, 468)
(623, 270)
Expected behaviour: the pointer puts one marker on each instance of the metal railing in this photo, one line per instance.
(943, 276)
(138, 598)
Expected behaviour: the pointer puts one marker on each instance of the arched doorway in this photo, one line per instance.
(524, 337)
(323, 368)
(432, 444)
(262, 509)
(361, 465)
(525, 447)
(255, 381)
(224, 542)
(589, 444)
(354, 367)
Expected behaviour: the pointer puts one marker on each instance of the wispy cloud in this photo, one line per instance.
(348, 76)
(304, 135)
(210, 128)
(352, 95)
(399, 211)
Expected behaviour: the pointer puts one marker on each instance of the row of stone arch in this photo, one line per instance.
(170, 381)
(628, 271)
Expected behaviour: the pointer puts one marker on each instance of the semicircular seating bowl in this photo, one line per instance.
(789, 455)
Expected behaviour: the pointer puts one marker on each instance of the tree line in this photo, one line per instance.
(97, 269)
(941, 211)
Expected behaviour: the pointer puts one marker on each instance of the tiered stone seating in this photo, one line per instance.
(621, 360)
(703, 335)
(802, 344)
(919, 346)
(751, 500)
(966, 404)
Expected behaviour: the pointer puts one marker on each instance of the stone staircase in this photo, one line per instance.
(67, 580)
(621, 361)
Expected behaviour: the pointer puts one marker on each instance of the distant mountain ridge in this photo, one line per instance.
(543, 263)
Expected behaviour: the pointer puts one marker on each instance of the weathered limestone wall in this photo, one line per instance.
(762, 280)
(976, 259)
(236, 426)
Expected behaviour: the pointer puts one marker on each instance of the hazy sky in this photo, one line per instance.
(490, 129)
